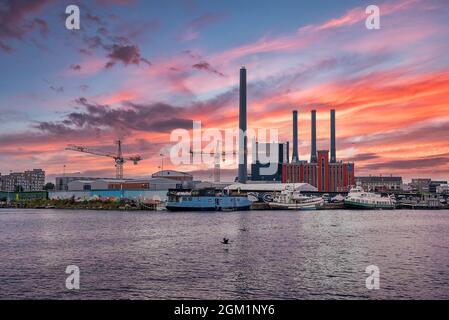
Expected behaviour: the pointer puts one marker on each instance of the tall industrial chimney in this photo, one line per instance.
(333, 148)
(295, 157)
(313, 157)
(242, 174)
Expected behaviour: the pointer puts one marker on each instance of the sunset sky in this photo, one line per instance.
(136, 70)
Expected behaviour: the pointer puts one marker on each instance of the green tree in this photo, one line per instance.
(49, 186)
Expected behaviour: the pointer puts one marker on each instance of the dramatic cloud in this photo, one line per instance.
(363, 157)
(157, 117)
(54, 129)
(426, 162)
(58, 89)
(5, 47)
(116, 2)
(41, 25)
(203, 65)
(75, 67)
(14, 24)
(127, 54)
(94, 19)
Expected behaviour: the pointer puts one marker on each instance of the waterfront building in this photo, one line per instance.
(30, 180)
(379, 183)
(127, 184)
(435, 184)
(62, 183)
(421, 184)
(173, 175)
(442, 189)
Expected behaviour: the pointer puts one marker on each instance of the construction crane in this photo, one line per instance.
(216, 156)
(118, 157)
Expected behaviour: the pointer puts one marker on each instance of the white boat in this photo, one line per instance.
(294, 200)
(359, 199)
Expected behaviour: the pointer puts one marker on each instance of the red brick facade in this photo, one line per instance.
(327, 177)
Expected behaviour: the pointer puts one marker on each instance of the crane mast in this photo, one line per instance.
(217, 160)
(118, 157)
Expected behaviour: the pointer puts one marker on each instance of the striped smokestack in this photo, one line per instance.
(333, 147)
(313, 157)
(295, 157)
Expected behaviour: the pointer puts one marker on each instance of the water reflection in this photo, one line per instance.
(278, 255)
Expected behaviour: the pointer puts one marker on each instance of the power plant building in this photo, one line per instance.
(326, 174)
(323, 171)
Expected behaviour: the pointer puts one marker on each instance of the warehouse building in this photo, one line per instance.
(126, 184)
(62, 183)
(379, 183)
(173, 175)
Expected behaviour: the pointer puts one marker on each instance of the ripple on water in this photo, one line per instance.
(281, 255)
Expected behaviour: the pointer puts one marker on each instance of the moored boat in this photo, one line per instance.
(206, 200)
(359, 199)
(294, 200)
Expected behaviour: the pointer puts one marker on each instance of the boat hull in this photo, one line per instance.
(189, 208)
(367, 206)
(204, 203)
(294, 206)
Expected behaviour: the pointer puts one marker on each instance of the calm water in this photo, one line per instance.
(283, 255)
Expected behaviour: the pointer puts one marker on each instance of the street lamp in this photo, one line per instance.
(162, 161)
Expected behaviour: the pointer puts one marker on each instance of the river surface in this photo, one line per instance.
(271, 254)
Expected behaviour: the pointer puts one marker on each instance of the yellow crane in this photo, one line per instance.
(118, 157)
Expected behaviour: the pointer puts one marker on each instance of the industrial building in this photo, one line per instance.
(421, 184)
(161, 180)
(154, 188)
(62, 183)
(380, 183)
(30, 180)
(126, 184)
(424, 185)
(442, 189)
(434, 184)
(173, 175)
(328, 175)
